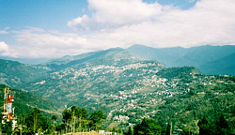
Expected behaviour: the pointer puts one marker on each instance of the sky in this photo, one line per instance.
(54, 28)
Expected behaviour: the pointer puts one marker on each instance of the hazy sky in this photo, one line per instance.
(53, 28)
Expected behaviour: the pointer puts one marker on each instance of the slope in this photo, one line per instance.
(87, 80)
(195, 56)
(24, 102)
(15, 74)
(225, 65)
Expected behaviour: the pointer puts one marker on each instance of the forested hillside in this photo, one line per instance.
(16, 74)
(25, 102)
(127, 88)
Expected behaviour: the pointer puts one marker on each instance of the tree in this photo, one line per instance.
(96, 119)
(169, 129)
(74, 118)
(82, 115)
(205, 128)
(54, 118)
(7, 127)
(129, 131)
(36, 122)
(222, 126)
(66, 118)
(147, 127)
(75, 112)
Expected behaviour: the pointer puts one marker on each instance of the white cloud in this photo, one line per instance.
(36, 42)
(122, 23)
(116, 13)
(4, 49)
(3, 46)
(4, 31)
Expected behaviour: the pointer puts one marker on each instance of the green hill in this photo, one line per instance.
(25, 102)
(16, 74)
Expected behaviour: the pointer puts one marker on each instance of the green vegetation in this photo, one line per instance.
(76, 119)
(127, 89)
(16, 75)
(96, 119)
(147, 127)
(24, 102)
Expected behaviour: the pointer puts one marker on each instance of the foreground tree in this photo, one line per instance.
(169, 129)
(82, 116)
(74, 118)
(129, 131)
(66, 119)
(36, 122)
(96, 119)
(147, 127)
(204, 127)
(218, 127)
(222, 126)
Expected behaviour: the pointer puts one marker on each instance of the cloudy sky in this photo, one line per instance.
(54, 28)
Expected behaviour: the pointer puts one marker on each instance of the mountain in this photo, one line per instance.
(205, 58)
(31, 61)
(127, 87)
(225, 65)
(15, 74)
(82, 79)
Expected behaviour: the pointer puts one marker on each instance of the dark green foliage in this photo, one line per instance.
(75, 119)
(54, 117)
(147, 127)
(6, 127)
(204, 127)
(222, 126)
(96, 119)
(176, 72)
(169, 129)
(36, 122)
(67, 115)
(218, 127)
(24, 102)
(130, 131)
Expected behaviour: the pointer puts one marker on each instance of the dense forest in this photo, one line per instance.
(76, 119)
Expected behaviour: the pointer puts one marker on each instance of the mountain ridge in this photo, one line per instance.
(195, 56)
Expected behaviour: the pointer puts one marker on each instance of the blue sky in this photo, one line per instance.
(53, 28)
(54, 14)
(48, 14)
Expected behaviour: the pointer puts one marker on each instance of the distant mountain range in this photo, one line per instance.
(208, 59)
(211, 60)
(129, 86)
